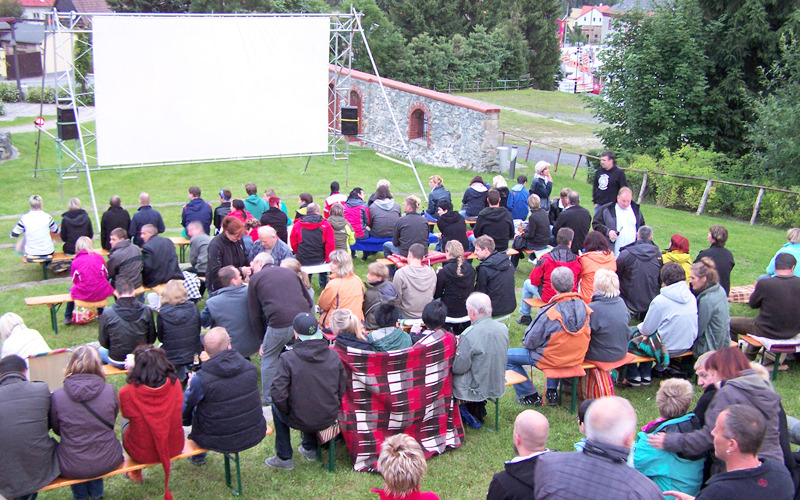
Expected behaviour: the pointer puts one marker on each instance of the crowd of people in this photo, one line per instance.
(593, 273)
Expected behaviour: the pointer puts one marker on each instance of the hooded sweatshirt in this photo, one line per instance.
(518, 202)
(357, 214)
(673, 314)
(415, 287)
(680, 258)
(255, 205)
(590, 263)
(474, 200)
(389, 338)
(74, 224)
(312, 240)
(384, 215)
(497, 223)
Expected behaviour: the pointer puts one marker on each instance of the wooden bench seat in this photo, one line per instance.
(181, 243)
(110, 370)
(57, 257)
(779, 351)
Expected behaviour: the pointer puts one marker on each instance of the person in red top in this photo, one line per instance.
(560, 256)
(89, 277)
(335, 197)
(152, 402)
(312, 240)
(402, 465)
(239, 212)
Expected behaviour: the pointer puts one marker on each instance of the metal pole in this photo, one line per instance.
(704, 199)
(757, 205)
(13, 24)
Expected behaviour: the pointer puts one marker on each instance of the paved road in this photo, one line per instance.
(15, 110)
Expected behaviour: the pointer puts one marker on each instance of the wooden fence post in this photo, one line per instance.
(577, 165)
(757, 205)
(558, 157)
(528, 152)
(704, 199)
(642, 189)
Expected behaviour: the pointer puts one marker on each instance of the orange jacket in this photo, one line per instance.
(590, 263)
(341, 293)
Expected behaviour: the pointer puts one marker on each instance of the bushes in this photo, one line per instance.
(35, 94)
(9, 92)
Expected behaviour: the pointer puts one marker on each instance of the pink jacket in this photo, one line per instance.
(89, 277)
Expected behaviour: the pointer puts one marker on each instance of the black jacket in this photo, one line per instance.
(639, 269)
(178, 327)
(606, 219)
(125, 260)
(497, 223)
(220, 213)
(474, 201)
(453, 227)
(275, 295)
(113, 218)
(537, 234)
(495, 278)
(229, 417)
(454, 289)
(515, 482)
(579, 220)
(74, 224)
(309, 384)
(124, 326)
(279, 221)
(438, 195)
(723, 258)
(159, 262)
(145, 215)
(606, 185)
(223, 252)
(411, 228)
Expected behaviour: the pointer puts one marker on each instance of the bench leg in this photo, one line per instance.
(331, 455)
(228, 479)
(44, 269)
(496, 402)
(574, 398)
(54, 316)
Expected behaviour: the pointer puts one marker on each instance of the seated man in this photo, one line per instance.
(159, 260)
(124, 326)
(531, 429)
(496, 222)
(673, 315)
(277, 219)
(560, 256)
(408, 230)
(600, 469)
(495, 276)
(414, 283)
(269, 242)
(28, 461)
(479, 366)
(228, 309)
(776, 300)
(198, 248)
(638, 268)
(452, 225)
(312, 240)
(125, 259)
(557, 338)
(222, 402)
(113, 218)
(306, 393)
(143, 216)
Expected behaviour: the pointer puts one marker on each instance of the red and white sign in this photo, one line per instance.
(39, 121)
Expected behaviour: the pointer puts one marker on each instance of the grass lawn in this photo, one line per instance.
(24, 120)
(462, 473)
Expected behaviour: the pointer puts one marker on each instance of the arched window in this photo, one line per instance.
(418, 125)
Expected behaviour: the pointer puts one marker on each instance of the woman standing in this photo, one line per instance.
(89, 278)
(178, 327)
(597, 256)
(83, 413)
(542, 184)
(713, 310)
(343, 291)
(455, 281)
(75, 223)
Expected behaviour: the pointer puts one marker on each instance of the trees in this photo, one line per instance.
(10, 8)
(160, 6)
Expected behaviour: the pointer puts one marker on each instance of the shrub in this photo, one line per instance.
(9, 92)
(35, 94)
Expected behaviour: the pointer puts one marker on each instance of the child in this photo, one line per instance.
(670, 471)
(379, 291)
(402, 465)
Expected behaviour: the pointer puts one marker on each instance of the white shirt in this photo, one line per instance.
(626, 228)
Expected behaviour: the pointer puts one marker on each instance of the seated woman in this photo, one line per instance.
(713, 309)
(670, 471)
(678, 252)
(83, 413)
(152, 403)
(455, 281)
(347, 328)
(343, 291)
(402, 465)
(609, 319)
(434, 316)
(36, 225)
(226, 249)
(19, 339)
(596, 256)
(792, 246)
(474, 199)
(384, 212)
(357, 213)
(537, 233)
(89, 278)
(75, 223)
(178, 327)
(238, 211)
(343, 232)
(388, 336)
(499, 183)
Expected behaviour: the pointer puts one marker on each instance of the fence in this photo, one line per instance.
(478, 85)
(646, 173)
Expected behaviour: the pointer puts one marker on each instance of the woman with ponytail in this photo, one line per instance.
(455, 281)
(713, 311)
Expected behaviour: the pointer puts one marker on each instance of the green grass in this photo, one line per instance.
(555, 104)
(462, 473)
(23, 120)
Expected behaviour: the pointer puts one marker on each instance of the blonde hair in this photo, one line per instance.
(606, 282)
(35, 201)
(85, 360)
(295, 266)
(343, 261)
(541, 166)
(383, 182)
(379, 269)
(413, 202)
(174, 293)
(344, 321)
(337, 209)
(456, 249)
(793, 235)
(84, 243)
(436, 179)
(74, 204)
(402, 465)
(8, 322)
(534, 202)
(499, 181)
(674, 397)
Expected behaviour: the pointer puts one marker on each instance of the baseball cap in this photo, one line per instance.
(305, 324)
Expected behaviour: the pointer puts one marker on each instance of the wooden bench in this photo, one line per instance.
(110, 370)
(512, 378)
(779, 351)
(54, 302)
(190, 449)
(57, 257)
(181, 243)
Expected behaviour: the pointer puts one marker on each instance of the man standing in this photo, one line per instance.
(159, 260)
(145, 215)
(496, 222)
(410, 229)
(576, 218)
(600, 469)
(28, 461)
(312, 240)
(518, 199)
(437, 196)
(479, 366)
(196, 210)
(415, 284)
(776, 300)
(607, 181)
(639, 268)
(306, 393)
(531, 430)
(619, 220)
(495, 276)
(269, 242)
(125, 259)
(275, 296)
(222, 403)
(253, 203)
(124, 326)
(228, 309)
(198, 248)
(114, 217)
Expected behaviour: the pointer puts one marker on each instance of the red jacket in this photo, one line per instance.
(315, 234)
(558, 257)
(89, 278)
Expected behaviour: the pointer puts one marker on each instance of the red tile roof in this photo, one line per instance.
(604, 9)
(37, 3)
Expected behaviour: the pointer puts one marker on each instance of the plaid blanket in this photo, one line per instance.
(407, 391)
(741, 294)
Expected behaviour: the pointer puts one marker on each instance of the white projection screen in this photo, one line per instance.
(190, 88)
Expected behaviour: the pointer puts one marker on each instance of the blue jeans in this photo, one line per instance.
(517, 357)
(283, 440)
(639, 370)
(107, 361)
(82, 491)
(389, 249)
(275, 339)
(529, 291)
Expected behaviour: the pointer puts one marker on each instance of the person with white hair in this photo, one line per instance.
(600, 470)
(19, 339)
(36, 225)
(269, 242)
(542, 184)
(609, 320)
(499, 183)
(479, 365)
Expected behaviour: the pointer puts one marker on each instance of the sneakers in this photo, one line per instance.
(198, 460)
(531, 400)
(630, 383)
(524, 320)
(645, 381)
(310, 455)
(277, 463)
(552, 397)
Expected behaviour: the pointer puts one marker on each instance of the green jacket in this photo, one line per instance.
(255, 205)
(394, 341)
(713, 320)
(479, 368)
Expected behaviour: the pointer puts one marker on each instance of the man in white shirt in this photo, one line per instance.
(619, 220)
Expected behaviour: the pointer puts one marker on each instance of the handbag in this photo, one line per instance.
(83, 315)
(98, 417)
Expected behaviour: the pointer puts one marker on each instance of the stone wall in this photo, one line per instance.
(461, 133)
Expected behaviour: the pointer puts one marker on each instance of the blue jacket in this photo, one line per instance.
(438, 195)
(197, 210)
(518, 202)
(791, 248)
(667, 469)
(145, 215)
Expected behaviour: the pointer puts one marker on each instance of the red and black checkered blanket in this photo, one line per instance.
(407, 391)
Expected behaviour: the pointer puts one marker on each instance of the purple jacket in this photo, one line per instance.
(89, 277)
